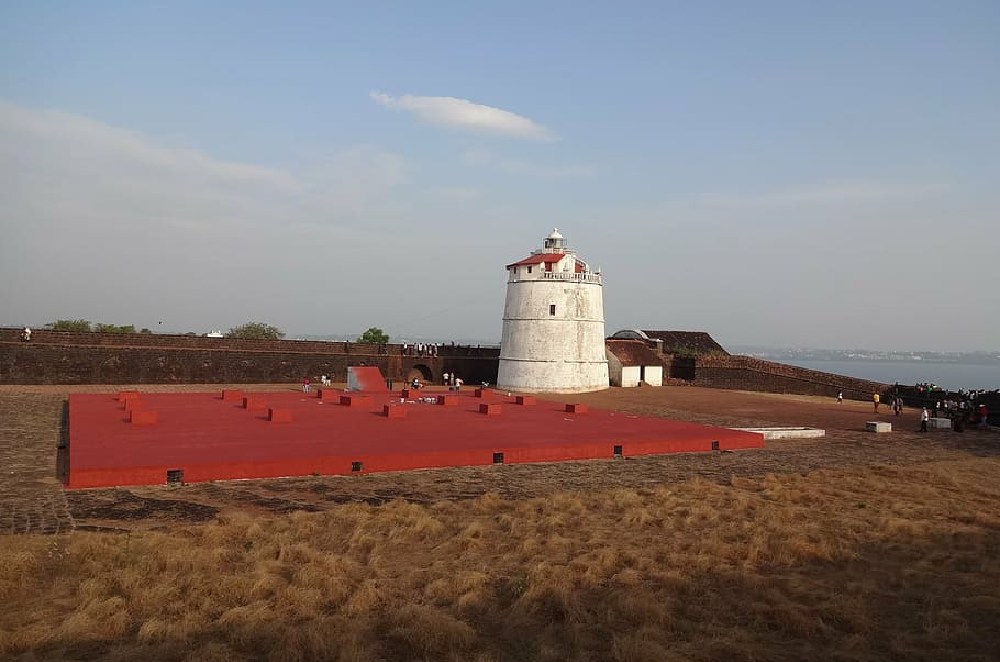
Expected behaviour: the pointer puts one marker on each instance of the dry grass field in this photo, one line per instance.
(850, 547)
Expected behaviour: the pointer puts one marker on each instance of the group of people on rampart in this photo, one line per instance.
(421, 349)
(964, 407)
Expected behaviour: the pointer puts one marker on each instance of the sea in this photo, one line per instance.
(951, 376)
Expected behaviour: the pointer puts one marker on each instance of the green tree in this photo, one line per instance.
(69, 325)
(374, 336)
(101, 327)
(255, 331)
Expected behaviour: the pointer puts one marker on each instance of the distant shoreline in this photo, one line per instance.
(949, 375)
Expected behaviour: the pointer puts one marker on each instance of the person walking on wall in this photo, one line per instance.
(875, 399)
(924, 415)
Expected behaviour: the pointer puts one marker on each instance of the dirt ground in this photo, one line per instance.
(33, 435)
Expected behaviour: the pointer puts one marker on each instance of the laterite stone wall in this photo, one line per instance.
(95, 358)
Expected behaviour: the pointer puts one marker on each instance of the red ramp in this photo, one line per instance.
(366, 378)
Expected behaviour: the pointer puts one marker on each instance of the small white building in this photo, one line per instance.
(553, 323)
(632, 362)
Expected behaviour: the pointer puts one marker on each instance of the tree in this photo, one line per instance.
(70, 325)
(255, 331)
(101, 327)
(374, 336)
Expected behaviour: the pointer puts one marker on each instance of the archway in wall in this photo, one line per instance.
(682, 367)
(421, 372)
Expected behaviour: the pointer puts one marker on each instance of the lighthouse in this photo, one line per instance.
(553, 323)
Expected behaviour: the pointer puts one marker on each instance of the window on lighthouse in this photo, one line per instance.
(552, 309)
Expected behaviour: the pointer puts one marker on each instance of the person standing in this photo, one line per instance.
(840, 397)
(875, 399)
(984, 417)
(923, 420)
(305, 385)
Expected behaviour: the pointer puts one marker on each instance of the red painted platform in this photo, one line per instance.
(209, 438)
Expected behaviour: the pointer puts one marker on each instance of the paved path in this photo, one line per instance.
(32, 499)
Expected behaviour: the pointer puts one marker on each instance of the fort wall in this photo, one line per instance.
(752, 374)
(59, 357)
(54, 357)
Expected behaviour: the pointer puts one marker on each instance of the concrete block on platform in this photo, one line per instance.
(939, 424)
(576, 408)
(279, 415)
(393, 411)
(355, 401)
(232, 394)
(484, 393)
(525, 400)
(142, 417)
(447, 400)
(254, 402)
(329, 394)
(125, 395)
(130, 400)
(878, 426)
(490, 409)
(771, 434)
(408, 393)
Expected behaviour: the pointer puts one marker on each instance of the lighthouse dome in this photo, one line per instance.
(555, 240)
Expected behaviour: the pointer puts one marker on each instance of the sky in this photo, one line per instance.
(774, 173)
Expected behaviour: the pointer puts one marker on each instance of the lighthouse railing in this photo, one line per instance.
(557, 275)
(568, 275)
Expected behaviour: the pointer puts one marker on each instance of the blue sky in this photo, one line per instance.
(776, 173)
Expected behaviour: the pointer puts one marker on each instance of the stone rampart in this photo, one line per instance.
(58, 357)
(53, 357)
(753, 374)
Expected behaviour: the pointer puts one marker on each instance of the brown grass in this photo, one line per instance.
(853, 564)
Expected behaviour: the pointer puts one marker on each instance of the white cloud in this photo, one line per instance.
(59, 168)
(464, 114)
(106, 223)
(58, 135)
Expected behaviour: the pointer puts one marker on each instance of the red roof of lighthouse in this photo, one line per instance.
(538, 258)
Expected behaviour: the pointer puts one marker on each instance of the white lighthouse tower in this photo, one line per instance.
(553, 323)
